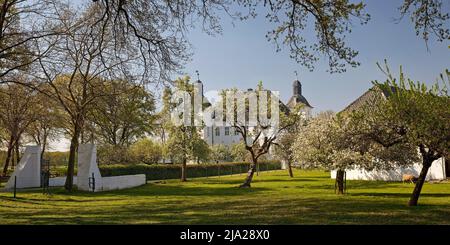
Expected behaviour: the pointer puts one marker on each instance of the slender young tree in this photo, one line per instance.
(48, 123)
(17, 112)
(258, 126)
(284, 149)
(184, 140)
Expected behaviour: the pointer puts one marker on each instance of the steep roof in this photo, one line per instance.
(298, 99)
(297, 96)
(370, 97)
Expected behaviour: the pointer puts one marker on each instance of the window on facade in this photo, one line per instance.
(236, 132)
(227, 130)
(217, 131)
(207, 131)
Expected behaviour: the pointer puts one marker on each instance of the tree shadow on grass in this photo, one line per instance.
(371, 184)
(236, 183)
(222, 181)
(266, 210)
(169, 190)
(355, 185)
(295, 179)
(314, 177)
(399, 195)
(20, 200)
(148, 190)
(323, 211)
(228, 205)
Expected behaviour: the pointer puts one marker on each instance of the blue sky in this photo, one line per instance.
(241, 57)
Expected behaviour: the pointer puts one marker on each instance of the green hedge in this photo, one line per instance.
(173, 171)
(56, 171)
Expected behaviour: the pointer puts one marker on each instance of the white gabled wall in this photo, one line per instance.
(28, 171)
(87, 166)
(436, 172)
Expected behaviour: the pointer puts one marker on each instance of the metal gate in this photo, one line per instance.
(45, 175)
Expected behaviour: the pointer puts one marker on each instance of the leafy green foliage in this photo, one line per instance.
(113, 154)
(407, 114)
(184, 142)
(124, 114)
(239, 153)
(334, 142)
(220, 153)
(429, 18)
(173, 171)
(145, 151)
(421, 113)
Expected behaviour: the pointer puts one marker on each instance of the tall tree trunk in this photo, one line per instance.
(8, 155)
(250, 173)
(183, 170)
(71, 165)
(14, 159)
(340, 181)
(16, 145)
(426, 162)
(44, 143)
(13, 163)
(291, 174)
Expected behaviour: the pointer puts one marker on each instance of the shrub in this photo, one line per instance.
(109, 154)
(220, 153)
(59, 171)
(145, 151)
(173, 171)
(58, 158)
(201, 151)
(239, 153)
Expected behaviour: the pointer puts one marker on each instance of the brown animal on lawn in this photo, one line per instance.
(409, 178)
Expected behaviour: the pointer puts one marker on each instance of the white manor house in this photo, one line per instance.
(226, 135)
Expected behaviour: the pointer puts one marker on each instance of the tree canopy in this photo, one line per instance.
(412, 114)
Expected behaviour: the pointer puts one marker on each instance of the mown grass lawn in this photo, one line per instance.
(273, 199)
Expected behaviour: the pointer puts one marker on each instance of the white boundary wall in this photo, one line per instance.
(60, 181)
(87, 165)
(436, 172)
(122, 182)
(28, 171)
(108, 183)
